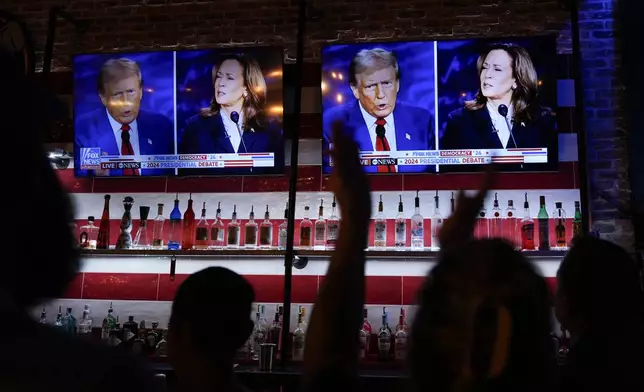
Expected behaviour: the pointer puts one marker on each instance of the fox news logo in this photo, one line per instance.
(90, 158)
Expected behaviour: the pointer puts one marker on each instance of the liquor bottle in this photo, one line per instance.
(482, 225)
(510, 225)
(162, 345)
(43, 316)
(437, 223)
(174, 242)
(298, 340)
(188, 226)
(266, 231)
(496, 223)
(157, 228)
(59, 318)
(259, 333)
(319, 242)
(306, 226)
(384, 339)
(452, 204)
(217, 231)
(233, 230)
(380, 228)
(250, 230)
(88, 235)
(564, 344)
(303, 313)
(139, 344)
(417, 232)
(201, 231)
(116, 335)
(109, 323)
(153, 337)
(69, 323)
(527, 227)
(283, 230)
(103, 238)
(125, 236)
(401, 228)
(130, 329)
(560, 227)
(365, 336)
(543, 221)
(141, 240)
(332, 227)
(275, 331)
(400, 338)
(576, 222)
(85, 325)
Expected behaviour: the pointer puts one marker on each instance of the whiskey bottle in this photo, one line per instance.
(157, 228)
(400, 338)
(217, 231)
(437, 223)
(306, 227)
(527, 227)
(560, 227)
(482, 225)
(130, 329)
(283, 230)
(298, 340)
(89, 235)
(380, 228)
(250, 230)
(401, 227)
(417, 227)
(332, 227)
(275, 331)
(141, 240)
(544, 225)
(320, 229)
(188, 226)
(103, 238)
(109, 324)
(174, 242)
(384, 339)
(85, 325)
(496, 224)
(201, 232)
(233, 230)
(266, 231)
(510, 225)
(576, 222)
(153, 337)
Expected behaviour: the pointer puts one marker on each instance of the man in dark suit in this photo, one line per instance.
(122, 128)
(375, 120)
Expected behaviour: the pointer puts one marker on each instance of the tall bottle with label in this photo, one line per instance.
(401, 227)
(250, 231)
(400, 338)
(283, 230)
(88, 235)
(543, 221)
(512, 234)
(157, 228)
(85, 325)
(496, 223)
(365, 335)
(577, 229)
(306, 227)
(332, 227)
(217, 231)
(260, 334)
(109, 324)
(266, 231)
(299, 336)
(201, 231)
(188, 227)
(527, 227)
(559, 215)
(233, 230)
(174, 241)
(103, 238)
(417, 227)
(141, 240)
(380, 228)
(437, 223)
(482, 225)
(319, 242)
(384, 338)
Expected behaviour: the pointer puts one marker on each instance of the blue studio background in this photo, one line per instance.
(415, 60)
(157, 71)
(194, 79)
(458, 80)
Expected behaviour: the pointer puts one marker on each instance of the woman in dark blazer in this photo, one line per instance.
(235, 121)
(504, 113)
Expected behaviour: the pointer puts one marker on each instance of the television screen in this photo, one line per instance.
(189, 112)
(444, 106)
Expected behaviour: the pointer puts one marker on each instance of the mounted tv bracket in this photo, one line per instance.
(81, 26)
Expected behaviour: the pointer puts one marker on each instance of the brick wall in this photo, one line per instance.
(164, 24)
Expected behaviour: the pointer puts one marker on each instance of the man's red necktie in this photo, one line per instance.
(383, 145)
(126, 149)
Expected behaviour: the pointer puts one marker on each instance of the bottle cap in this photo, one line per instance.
(558, 204)
(510, 203)
(130, 318)
(107, 197)
(144, 211)
(400, 204)
(576, 204)
(417, 200)
(525, 203)
(542, 200)
(90, 218)
(306, 208)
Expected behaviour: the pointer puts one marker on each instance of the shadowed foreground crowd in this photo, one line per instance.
(483, 323)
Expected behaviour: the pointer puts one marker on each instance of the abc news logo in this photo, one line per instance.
(379, 162)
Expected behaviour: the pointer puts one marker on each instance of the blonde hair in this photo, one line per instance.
(114, 69)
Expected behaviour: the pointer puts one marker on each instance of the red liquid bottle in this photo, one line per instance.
(527, 227)
(103, 239)
(188, 227)
(496, 223)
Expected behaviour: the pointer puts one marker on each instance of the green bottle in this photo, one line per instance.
(576, 221)
(544, 225)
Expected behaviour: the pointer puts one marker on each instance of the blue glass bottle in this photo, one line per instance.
(174, 242)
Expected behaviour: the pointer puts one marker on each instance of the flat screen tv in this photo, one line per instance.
(187, 112)
(444, 106)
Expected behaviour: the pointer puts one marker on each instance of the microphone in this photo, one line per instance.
(235, 117)
(503, 111)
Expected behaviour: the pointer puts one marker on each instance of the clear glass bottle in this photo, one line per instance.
(482, 225)
(332, 227)
(384, 338)
(306, 227)
(85, 324)
(217, 231)
(400, 338)
(233, 230)
(401, 228)
(201, 231)
(543, 221)
(510, 225)
(496, 223)
(283, 230)
(59, 318)
(299, 336)
(259, 334)
(189, 226)
(417, 227)
(250, 231)
(266, 231)
(161, 350)
(437, 223)
(88, 235)
(174, 242)
(141, 240)
(109, 324)
(43, 316)
(157, 228)
(527, 227)
(319, 242)
(577, 229)
(559, 215)
(69, 323)
(380, 228)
